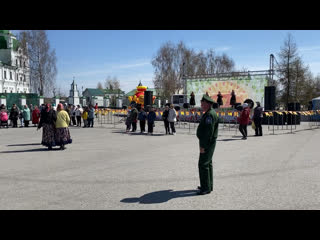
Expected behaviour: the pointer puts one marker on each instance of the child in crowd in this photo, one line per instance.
(85, 117)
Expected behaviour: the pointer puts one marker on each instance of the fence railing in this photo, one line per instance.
(189, 120)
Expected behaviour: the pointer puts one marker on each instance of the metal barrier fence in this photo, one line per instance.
(188, 120)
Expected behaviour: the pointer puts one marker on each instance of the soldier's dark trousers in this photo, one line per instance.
(205, 169)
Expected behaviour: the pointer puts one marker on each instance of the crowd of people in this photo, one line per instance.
(72, 115)
(54, 121)
(136, 113)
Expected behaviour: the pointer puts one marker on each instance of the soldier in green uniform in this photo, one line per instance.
(207, 133)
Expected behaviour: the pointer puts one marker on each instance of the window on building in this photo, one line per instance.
(24, 78)
(5, 74)
(20, 78)
(24, 63)
(20, 63)
(5, 91)
(11, 91)
(10, 75)
(16, 62)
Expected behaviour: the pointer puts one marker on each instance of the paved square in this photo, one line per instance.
(105, 168)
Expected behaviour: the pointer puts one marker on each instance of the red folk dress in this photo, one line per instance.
(35, 116)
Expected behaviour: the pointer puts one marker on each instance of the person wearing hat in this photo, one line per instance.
(244, 120)
(207, 133)
(257, 118)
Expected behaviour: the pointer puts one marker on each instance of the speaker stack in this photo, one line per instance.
(269, 98)
(148, 98)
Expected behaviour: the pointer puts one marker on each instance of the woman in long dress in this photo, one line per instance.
(47, 122)
(219, 99)
(35, 116)
(233, 99)
(62, 130)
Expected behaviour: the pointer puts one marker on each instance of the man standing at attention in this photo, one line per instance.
(207, 134)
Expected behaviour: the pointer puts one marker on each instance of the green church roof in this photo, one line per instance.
(5, 31)
(3, 40)
(3, 43)
(95, 92)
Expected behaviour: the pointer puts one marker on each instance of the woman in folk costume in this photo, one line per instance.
(62, 131)
(48, 118)
(35, 115)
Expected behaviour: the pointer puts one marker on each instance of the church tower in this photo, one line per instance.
(74, 94)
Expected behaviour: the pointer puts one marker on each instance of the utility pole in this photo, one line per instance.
(288, 89)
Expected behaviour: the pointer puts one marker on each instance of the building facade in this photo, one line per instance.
(74, 95)
(14, 65)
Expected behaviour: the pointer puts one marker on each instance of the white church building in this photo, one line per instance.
(14, 65)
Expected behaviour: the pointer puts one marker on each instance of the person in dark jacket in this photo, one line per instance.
(244, 120)
(90, 116)
(151, 118)
(257, 118)
(165, 119)
(219, 99)
(14, 114)
(233, 99)
(134, 116)
(142, 118)
(48, 118)
(192, 100)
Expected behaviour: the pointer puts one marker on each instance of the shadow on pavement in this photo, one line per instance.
(24, 144)
(31, 150)
(160, 196)
(229, 139)
(138, 133)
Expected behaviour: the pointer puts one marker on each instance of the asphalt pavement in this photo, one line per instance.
(106, 168)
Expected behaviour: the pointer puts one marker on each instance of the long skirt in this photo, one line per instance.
(63, 136)
(48, 135)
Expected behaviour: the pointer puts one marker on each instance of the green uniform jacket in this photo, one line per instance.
(207, 131)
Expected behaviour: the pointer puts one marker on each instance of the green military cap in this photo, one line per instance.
(207, 99)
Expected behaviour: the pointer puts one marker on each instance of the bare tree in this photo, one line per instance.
(99, 85)
(42, 60)
(173, 61)
(112, 83)
(288, 56)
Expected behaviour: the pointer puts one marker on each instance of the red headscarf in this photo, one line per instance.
(48, 107)
(60, 107)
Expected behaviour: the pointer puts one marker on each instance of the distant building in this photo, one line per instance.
(74, 95)
(113, 93)
(14, 65)
(93, 96)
